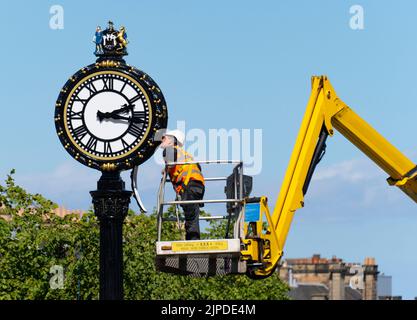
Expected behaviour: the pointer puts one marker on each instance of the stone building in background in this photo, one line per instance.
(62, 212)
(59, 211)
(319, 278)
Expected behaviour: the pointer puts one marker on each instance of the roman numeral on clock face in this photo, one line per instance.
(138, 116)
(76, 115)
(78, 99)
(123, 87)
(125, 144)
(135, 129)
(135, 98)
(92, 143)
(91, 88)
(80, 132)
(107, 147)
(108, 84)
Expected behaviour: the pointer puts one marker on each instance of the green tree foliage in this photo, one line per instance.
(32, 240)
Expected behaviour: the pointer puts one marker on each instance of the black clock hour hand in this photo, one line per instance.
(103, 115)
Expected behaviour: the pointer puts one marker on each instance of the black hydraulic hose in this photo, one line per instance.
(317, 156)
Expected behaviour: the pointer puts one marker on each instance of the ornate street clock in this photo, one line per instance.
(107, 114)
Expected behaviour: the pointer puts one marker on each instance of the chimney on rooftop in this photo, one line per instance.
(337, 281)
(315, 259)
(370, 279)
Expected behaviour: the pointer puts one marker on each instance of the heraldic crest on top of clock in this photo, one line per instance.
(110, 42)
(109, 114)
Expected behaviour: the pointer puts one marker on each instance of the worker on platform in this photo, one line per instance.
(187, 180)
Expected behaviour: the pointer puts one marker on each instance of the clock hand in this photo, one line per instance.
(104, 115)
(134, 120)
(125, 108)
(114, 113)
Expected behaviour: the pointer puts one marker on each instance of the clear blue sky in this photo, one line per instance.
(235, 64)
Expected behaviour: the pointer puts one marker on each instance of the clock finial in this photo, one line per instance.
(110, 43)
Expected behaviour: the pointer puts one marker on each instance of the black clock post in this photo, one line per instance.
(111, 204)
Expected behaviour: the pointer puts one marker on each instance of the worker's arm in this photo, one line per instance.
(325, 111)
(170, 154)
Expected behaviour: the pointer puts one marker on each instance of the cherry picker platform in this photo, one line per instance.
(206, 257)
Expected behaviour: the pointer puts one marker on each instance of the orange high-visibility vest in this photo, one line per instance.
(181, 174)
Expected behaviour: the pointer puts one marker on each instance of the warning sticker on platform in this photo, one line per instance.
(199, 246)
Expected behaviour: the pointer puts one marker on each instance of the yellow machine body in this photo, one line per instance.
(265, 238)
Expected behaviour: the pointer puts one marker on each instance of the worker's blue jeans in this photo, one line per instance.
(193, 191)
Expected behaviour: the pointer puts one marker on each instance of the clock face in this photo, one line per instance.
(109, 117)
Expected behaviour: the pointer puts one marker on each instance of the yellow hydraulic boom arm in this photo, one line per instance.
(263, 246)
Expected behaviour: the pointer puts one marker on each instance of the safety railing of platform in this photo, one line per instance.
(161, 193)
